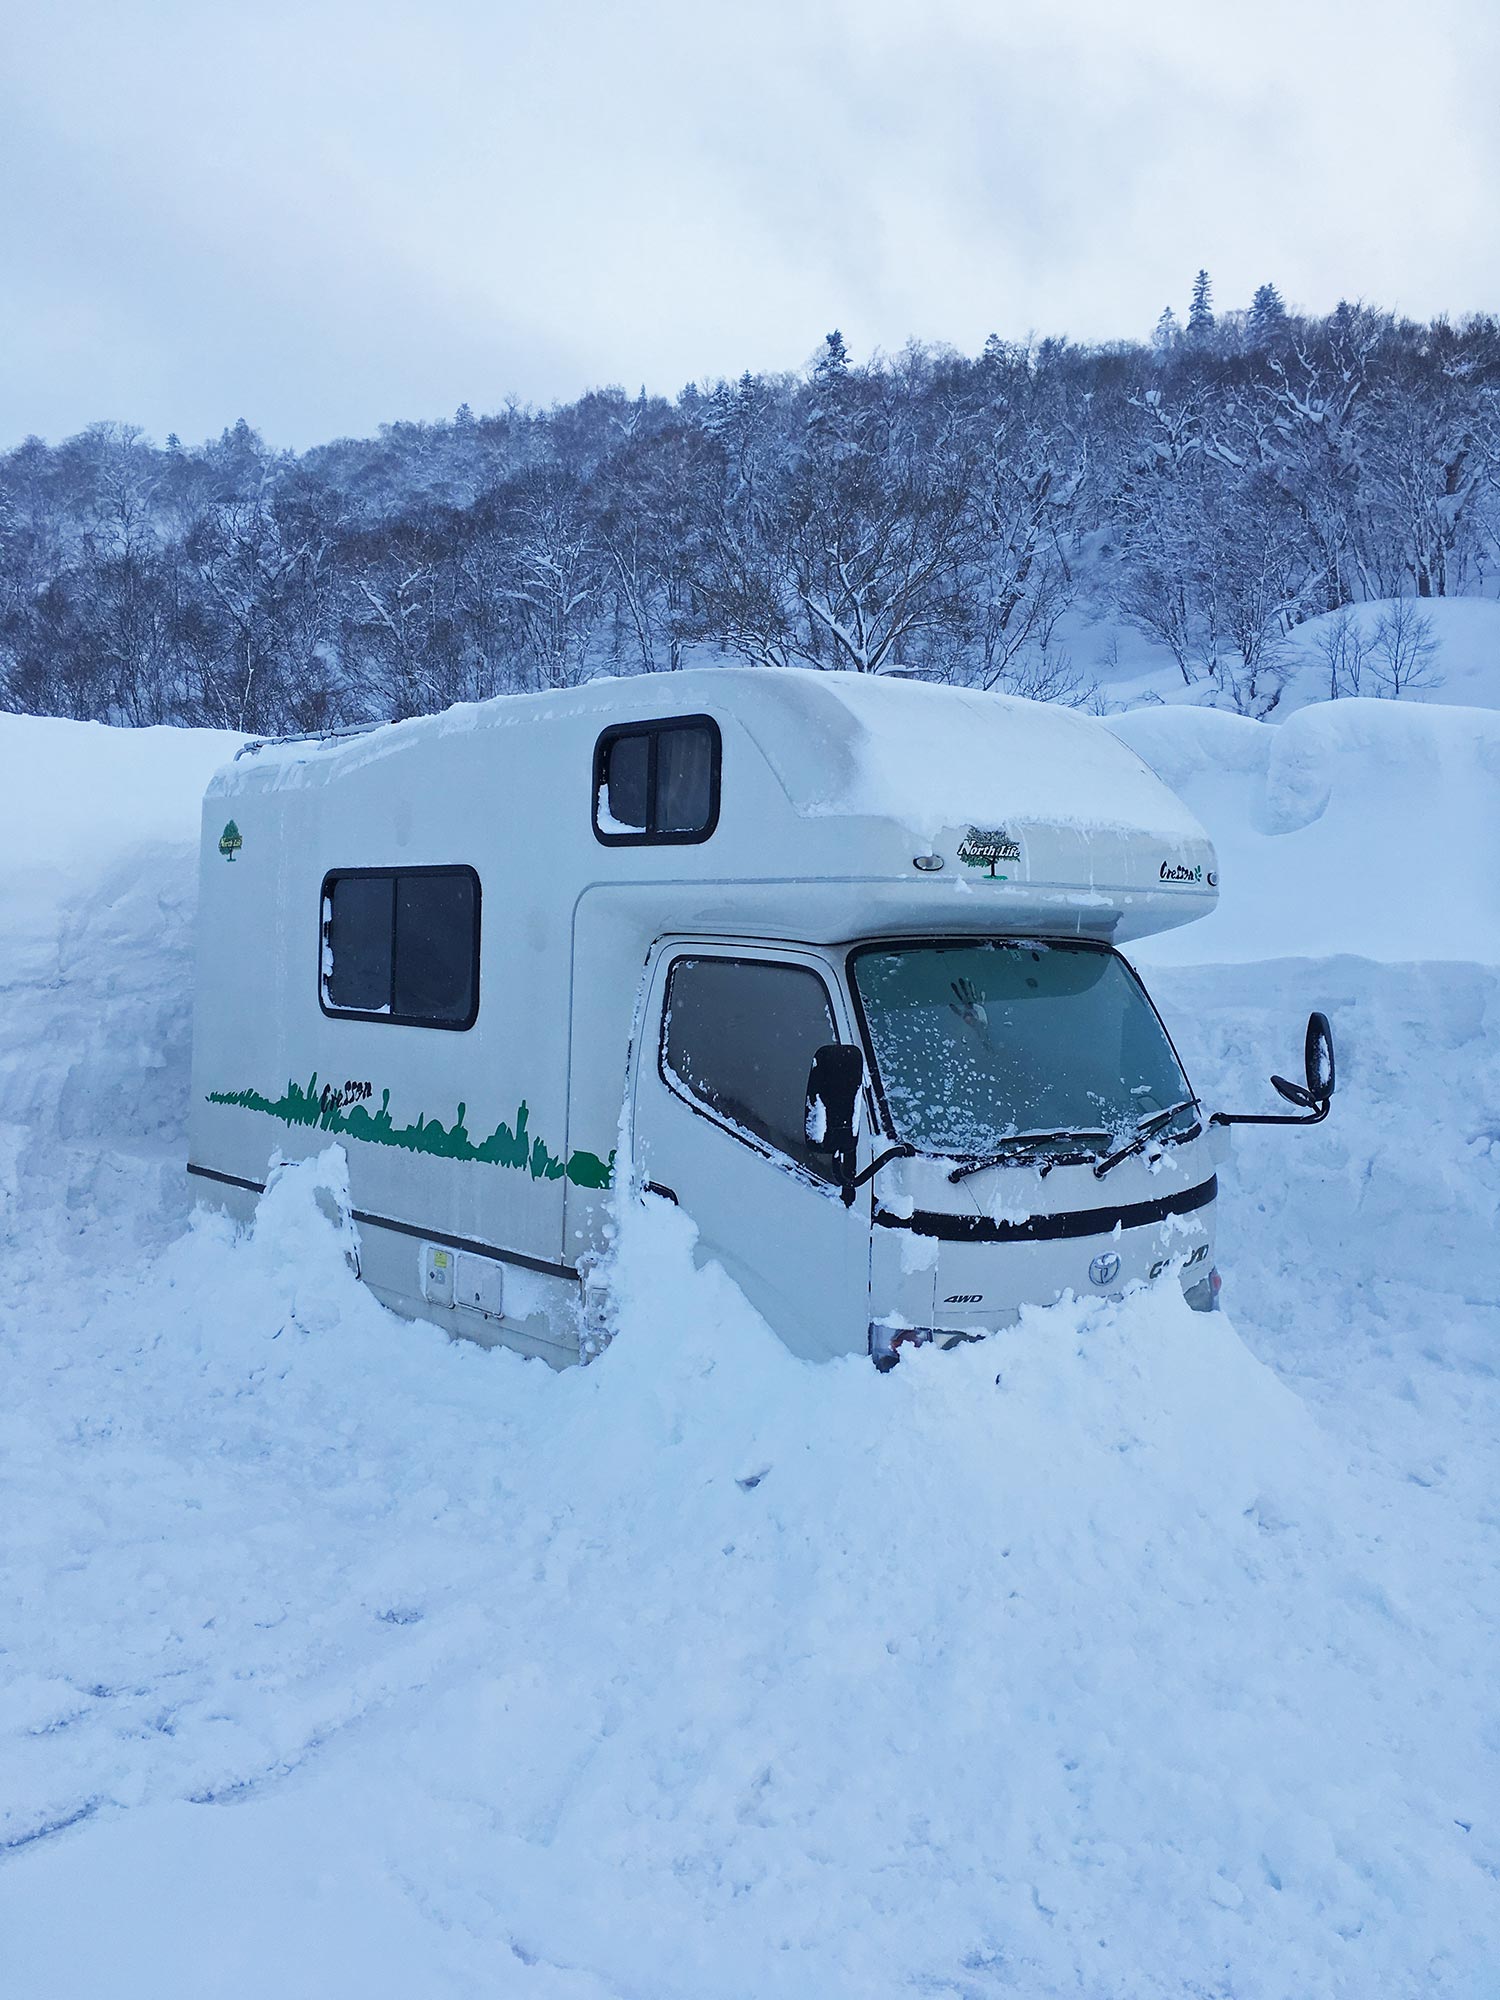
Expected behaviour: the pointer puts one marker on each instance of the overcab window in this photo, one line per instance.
(401, 945)
(657, 783)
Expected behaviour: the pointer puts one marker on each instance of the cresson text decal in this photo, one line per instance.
(1179, 871)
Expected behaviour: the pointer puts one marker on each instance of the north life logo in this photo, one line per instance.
(982, 847)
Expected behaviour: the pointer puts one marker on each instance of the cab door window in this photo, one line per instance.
(738, 1037)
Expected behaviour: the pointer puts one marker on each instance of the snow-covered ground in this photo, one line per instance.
(1130, 1654)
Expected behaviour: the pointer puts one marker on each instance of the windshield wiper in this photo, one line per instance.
(1145, 1132)
(980, 1161)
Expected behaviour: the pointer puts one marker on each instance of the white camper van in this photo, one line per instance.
(830, 961)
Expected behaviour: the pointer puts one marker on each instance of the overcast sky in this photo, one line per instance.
(325, 216)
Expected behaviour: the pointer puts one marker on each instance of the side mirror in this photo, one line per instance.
(831, 1119)
(1312, 1097)
(1318, 1057)
(1317, 1060)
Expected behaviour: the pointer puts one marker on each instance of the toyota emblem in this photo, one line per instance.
(1104, 1269)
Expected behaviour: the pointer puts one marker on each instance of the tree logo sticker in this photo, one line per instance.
(230, 841)
(982, 847)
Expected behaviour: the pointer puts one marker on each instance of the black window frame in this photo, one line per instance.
(395, 876)
(814, 1176)
(655, 728)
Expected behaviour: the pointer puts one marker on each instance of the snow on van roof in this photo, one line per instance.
(880, 747)
(934, 757)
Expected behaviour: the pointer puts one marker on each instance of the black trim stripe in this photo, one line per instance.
(229, 1180)
(1042, 1228)
(517, 1257)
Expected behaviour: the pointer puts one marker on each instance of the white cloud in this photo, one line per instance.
(325, 216)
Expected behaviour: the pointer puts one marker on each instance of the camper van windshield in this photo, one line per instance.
(978, 1045)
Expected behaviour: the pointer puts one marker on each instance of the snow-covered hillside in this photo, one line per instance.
(1129, 1654)
(1441, 650)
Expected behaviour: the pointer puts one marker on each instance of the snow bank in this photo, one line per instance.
(1370, 827)
(80, 801)
(100, 830)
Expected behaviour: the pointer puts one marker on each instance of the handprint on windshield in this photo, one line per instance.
(969, 1008)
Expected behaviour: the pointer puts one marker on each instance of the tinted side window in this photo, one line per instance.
(435, 957)
(684, 781)
(657, 782)
(739, 1037)
(627, 784)
(402, 945)
(357, 942)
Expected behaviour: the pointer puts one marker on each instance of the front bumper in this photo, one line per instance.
(940, 1279)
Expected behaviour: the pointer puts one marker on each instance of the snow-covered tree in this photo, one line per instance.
(1212, 488)
(833, 358)
(1268, 316)
(1201, 310)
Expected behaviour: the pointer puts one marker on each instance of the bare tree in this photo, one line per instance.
(555, 576)
(1345, 653)
(1403, 650)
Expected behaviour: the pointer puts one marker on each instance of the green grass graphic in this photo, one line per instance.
(506, 1146)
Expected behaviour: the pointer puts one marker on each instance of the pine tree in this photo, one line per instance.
(833, 362)
(1268, 316)
(747, 396)
(1201, 312)
(830, 405)
(463, 416)
(1167, 332)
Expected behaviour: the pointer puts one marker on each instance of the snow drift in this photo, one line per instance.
(1370, 827)
(1131, 1653)
(101, 830)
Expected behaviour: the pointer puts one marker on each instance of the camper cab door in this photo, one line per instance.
(718, 1103)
